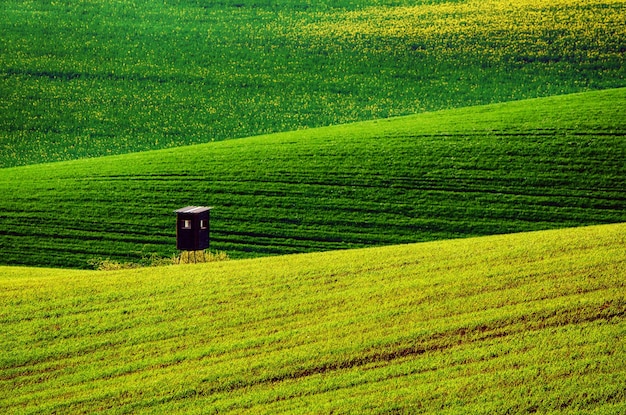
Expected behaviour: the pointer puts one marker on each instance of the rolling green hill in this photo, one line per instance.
(98, 77)
(527, 165)
(521, 323)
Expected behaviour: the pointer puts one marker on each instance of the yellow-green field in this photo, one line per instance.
(495, 30)
(521, 323)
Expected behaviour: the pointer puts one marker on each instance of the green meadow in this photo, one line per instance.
(97, 77)
(423, 201)
(527, 165)
(522, 323)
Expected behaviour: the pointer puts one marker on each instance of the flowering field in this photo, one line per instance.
(91, 78)
(525, 323)
(526, 165)
(492, 30)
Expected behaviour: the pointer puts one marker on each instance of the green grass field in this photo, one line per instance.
(362, 128)
(531, 322)
(527, 165)
(98, 77)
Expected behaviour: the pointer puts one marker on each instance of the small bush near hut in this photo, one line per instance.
(192, 257)
(154, 260)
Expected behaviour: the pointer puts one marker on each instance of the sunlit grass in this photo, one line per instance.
(515, 323)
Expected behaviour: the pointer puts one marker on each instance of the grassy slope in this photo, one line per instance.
(530, 322)
(528, 165)
(91, 78)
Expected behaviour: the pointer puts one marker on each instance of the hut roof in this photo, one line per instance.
(193, 209)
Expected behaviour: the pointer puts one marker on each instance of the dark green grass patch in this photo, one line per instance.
(538, 164)
(92, 78)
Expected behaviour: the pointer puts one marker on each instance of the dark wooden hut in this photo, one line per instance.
(193, 228)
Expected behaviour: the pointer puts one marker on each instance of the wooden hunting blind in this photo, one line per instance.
(192, 228)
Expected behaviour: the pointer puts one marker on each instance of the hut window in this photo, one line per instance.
(186, 224)
(202, 224)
